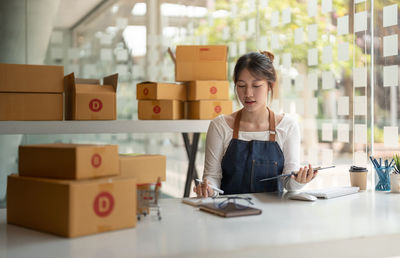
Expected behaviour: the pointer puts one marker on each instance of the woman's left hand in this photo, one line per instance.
(305, 175)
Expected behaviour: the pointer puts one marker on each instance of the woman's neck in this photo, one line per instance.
(257, 117)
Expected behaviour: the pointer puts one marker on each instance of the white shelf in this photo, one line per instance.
(93, 127)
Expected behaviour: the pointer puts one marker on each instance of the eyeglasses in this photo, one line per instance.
(236, 201)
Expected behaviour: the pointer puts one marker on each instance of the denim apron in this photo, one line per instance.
(246, 162)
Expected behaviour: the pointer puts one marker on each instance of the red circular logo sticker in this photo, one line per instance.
(145, 91)
(213, 90)
(103, 204)
(95, 105)
(156, 109)
(96, 160)
(217, 109)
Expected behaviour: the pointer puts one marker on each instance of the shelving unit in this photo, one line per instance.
(119, 126)
(96, 127)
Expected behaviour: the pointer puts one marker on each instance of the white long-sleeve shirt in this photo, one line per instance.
(219, 135)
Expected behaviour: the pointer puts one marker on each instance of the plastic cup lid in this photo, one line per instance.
(358, 169)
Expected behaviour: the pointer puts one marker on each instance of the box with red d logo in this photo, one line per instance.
(202, 90)
(86, 99)
(207, 109)
(158, 91)
(160, 109)
(68, 161)
(71, 208)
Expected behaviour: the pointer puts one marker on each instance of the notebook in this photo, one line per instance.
(230, 210)
(333, 192)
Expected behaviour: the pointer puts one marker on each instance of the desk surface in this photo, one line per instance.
(366, 224)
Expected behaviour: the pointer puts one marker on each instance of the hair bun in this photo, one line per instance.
(268, 54)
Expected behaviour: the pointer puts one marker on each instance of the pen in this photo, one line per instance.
(390, 164)
(213, 187)
(292, 173)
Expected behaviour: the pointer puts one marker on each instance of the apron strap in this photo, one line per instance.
(236, 125)
(272, 131)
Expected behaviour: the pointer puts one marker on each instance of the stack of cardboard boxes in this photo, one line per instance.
(79, 189)
(31, 92)
(203, 70)
(71, 190)
(160, 101)
(207, 99)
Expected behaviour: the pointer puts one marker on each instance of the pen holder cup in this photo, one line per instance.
(382, 177)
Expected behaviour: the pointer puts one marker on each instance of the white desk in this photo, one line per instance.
(360, 225)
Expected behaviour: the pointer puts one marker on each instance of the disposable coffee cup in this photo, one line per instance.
(358, 177)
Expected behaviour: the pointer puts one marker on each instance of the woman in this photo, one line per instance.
(253, 143)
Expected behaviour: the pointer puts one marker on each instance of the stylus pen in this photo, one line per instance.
(292, 173)
(212, 187)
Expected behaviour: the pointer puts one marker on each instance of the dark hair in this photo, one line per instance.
(259, 65)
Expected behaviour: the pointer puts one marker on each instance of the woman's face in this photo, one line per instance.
(252, 92)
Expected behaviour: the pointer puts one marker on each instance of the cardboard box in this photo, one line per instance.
(201, 63)
(31, 78)
(86, 99)
(207, 109)
(71, 208)
(202, 90)
(160, 91)
(68, 161)
(31, 106)
(160, 109)
(145, 168)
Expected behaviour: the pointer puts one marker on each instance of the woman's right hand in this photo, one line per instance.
(203, 189)
(305, 175)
